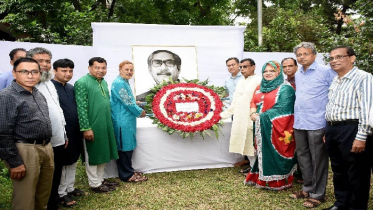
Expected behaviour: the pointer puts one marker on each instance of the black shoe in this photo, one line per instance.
(334, 208)
(110, 184)
(102, 189)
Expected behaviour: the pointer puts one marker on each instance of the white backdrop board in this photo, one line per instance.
(157, 151)
(78, 54)
(214, 44)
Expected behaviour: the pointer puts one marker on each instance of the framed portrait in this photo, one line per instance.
(153, 64)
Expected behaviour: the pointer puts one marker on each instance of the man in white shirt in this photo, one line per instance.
(59, 139)
(241, 140)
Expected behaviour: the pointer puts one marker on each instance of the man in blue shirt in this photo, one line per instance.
(312, 82)
(7, 77)
(231, 82)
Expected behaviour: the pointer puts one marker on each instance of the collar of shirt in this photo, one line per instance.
(312, 67)
(349, 74)
(238, 75)
(20, 89)
(94, 78)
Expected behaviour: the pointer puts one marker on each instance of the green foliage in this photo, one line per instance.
(283, 29)
(4, 172)
(182, 12)
(357, 33)
(50, 21)
(69, 22)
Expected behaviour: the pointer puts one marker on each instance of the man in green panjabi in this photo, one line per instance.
(93, 100)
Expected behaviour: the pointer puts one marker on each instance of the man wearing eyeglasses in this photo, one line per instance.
(241, 140)
(59, 140)
(348, 137)
(25, 132)
(162, 65)
(312, 81)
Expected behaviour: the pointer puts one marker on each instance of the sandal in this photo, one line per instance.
(299, 195)
(102, 189)
(313, 202)
(138, 173)
(136, 179)
(76, 192)
(66, 201)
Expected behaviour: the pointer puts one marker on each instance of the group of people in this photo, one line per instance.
(44, 119)
(319, 113)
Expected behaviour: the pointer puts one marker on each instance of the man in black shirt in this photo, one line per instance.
(25, 132)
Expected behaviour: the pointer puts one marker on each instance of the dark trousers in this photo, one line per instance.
(351, 171)
(59, 153)
(124, 164)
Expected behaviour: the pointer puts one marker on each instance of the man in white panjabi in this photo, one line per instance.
(241, 140)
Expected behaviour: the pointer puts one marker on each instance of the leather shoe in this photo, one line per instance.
(110, 183)
(334, 208)
(242, 163)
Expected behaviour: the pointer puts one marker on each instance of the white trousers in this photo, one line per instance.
(67, 180)
(95, 173)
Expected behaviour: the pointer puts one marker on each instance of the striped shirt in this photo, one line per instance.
(350, 97)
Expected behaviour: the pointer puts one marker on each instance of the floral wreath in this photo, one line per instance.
(188, 108)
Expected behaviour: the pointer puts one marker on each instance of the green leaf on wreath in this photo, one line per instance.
(171, 131)
(207, 132)
(202, 134)
(216, 134)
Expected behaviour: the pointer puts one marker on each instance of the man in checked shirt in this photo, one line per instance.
(25, 132)
(347, 135)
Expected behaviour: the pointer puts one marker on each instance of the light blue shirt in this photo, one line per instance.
(312, 96)
(5, 79)
(231, 83)
(350, 98)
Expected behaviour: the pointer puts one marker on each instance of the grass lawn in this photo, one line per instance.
(199, 189)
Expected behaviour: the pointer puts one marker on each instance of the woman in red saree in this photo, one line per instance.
(272, 109)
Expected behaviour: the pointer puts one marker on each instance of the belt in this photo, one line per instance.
(42, 142)
(345, 122)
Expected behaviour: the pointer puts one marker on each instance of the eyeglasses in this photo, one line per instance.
(304, 54)
(245, 66)
(338, 57)
(272, 71)
(25, 72)
(168, 63)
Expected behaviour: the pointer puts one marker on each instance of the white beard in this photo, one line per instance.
(46, 76)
